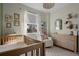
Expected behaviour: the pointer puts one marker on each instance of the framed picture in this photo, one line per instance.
(16, 19)
(8, 25)
(8, 18)
(16, 23)
(16, 16)
(32, 28)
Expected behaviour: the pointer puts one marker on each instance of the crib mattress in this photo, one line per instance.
(4, 48)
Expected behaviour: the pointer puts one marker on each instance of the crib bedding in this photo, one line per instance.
(4, 48)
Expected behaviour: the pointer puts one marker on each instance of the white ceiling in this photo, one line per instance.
(39, 6)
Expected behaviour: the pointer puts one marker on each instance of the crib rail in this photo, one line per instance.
(10, 39)
(38, 48)
(35, 47)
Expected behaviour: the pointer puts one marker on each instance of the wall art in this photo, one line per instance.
(16, 19)
(8, 25)
(8, 18)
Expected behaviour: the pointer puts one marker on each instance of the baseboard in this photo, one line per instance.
(48, 47)
(63, 48)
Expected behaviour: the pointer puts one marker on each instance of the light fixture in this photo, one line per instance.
(48, 5)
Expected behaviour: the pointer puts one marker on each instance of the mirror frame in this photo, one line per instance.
(59, 21)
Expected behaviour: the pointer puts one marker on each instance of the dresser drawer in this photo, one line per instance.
(66, 41)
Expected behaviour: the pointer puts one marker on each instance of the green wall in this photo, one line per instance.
(0, 18)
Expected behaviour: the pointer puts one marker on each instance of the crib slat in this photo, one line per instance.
(3, 40)
(37, 52)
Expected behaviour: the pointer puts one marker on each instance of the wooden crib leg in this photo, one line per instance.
(32, 53)
(26, 54)
(42, 50)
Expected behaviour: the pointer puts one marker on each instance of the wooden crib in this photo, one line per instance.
(30, 45)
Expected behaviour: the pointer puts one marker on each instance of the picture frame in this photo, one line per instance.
(16, 16)
(8, 25)
(32, 28)
(16, 19)
(8, 18)
(16, 23)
